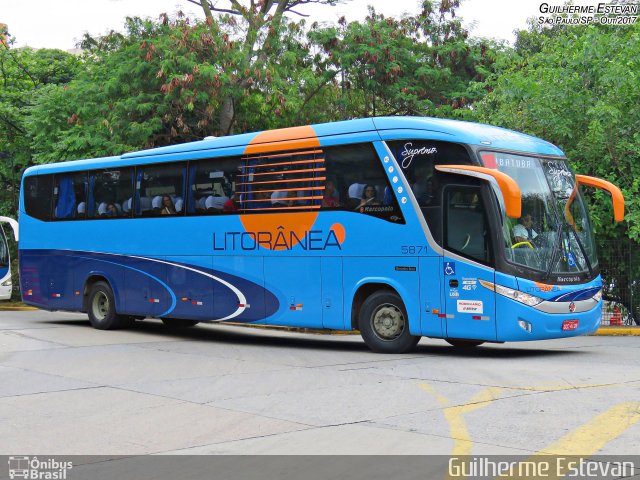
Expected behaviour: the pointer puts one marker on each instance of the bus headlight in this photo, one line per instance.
(598, 296)
(7, 283)
(516, 295)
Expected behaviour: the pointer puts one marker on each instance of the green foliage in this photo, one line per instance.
(415, 65)
(24, 75)
(580, 91)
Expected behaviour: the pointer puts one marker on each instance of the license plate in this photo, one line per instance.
(570, 325)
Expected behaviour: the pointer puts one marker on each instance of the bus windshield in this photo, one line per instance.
(553, 235)
(4, 250)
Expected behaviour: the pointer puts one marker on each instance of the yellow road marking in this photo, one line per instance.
(573, 447)
(584, 441)
(462, 442)
(595, 434)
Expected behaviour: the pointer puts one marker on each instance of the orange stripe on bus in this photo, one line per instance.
(285, 199)
(287, 190)
(262, 209)
(279, 164)
(283, 172)
(280, 155)
(312, 179)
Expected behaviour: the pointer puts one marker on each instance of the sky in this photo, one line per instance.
(46, 24)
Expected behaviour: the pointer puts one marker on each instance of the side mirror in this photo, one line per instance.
(616, 195)
(507, 185)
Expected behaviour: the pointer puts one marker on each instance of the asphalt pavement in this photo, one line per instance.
(66, 388)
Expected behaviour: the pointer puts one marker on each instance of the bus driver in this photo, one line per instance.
(523, 231)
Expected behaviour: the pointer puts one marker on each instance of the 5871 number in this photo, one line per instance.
(413, 249)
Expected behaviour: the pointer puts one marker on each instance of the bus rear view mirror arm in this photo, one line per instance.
(14, 225)
(507, 185)
(616, 195)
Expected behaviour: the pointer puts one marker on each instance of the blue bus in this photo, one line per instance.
(6, 285)
(399, 227)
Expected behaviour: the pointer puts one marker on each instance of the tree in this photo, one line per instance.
(24, 74)
(259, 33)
(416, 65)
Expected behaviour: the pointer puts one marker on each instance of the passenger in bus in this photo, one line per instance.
(424, 192)
(111, 210)
(523, 231)
(330, 199)
(355, 193)
(215, 203)
(280, 199)
(230, 205)
(369, 196)
(168, 208)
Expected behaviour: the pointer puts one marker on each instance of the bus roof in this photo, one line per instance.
(387, 127)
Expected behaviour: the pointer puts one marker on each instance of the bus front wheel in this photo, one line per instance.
(102, 308)
(384, 324)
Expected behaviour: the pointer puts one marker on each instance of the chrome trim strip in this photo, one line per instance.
(563, 307)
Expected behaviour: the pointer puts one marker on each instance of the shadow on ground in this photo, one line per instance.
(261, 337)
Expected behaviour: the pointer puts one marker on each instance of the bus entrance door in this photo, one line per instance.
(470, 308)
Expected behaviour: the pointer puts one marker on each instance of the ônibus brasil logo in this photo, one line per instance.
(35, 469)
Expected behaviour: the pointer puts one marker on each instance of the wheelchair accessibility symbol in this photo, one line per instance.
(449, 268)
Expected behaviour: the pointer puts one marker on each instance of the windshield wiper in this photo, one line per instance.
(554, 251)
(582, 249)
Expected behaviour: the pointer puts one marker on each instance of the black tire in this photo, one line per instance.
(384, 324)
(101, 307)
(460, 343)
(179, 322)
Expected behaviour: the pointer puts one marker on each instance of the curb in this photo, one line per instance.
(617, 331)
(17, 309)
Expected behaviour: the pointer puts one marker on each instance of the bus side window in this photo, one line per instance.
(70, 196)
(110, 193)
(212, 186)
(160, 190)
(282, 181)
(357, 182)
(37, 193)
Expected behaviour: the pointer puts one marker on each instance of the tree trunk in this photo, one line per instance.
(227, 116)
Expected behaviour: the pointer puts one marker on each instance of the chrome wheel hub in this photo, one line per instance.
(388, 322)
(100, 306)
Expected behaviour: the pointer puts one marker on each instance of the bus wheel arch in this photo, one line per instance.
(380, 314)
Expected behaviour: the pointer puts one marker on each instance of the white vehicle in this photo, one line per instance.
(5, 259)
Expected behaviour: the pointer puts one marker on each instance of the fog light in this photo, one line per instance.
(525, 325)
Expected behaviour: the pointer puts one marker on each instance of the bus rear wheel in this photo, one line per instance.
(179, 322)
(101, 307)
(384, 324)
(459, 343)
